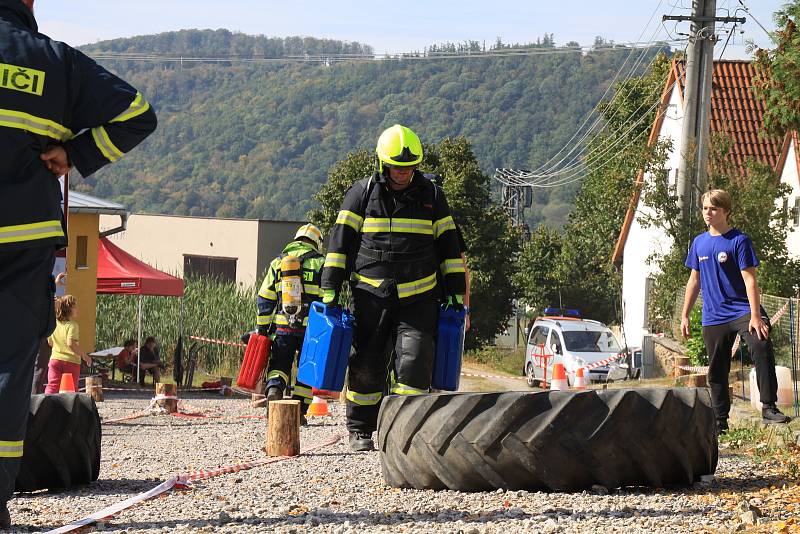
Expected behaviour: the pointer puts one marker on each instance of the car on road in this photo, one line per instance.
(572, 341)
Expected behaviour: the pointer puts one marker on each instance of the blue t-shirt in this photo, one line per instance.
(720, 260)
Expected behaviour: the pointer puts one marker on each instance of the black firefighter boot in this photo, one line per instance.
(361, 441)
(273, 394)
(5, 516)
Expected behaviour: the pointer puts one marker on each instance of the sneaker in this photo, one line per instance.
(361, 441)
(771, 414)
(5, 516)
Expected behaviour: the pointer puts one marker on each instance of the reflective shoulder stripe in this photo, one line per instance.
(137, 107)
(104, 144)
(11, 449)
(364, 399)
(416, 287)
(402, 389)
(374, 282)
(453, 266)
(30, 232)
(34, 124)
(442, 225)
(335, 259)
(353, 220)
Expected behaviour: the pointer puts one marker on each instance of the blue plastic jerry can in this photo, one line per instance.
(326, 347)
(449, 349)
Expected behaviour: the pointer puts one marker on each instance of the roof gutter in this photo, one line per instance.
(121, 228)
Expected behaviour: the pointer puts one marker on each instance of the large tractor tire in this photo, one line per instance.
(62, 443)
(558, 440)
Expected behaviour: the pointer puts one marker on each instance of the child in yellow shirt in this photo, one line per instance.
(67, 353)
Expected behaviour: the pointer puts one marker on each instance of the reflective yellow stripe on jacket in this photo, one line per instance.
(34, 124)
(409, 289)
(351, 219)
(442, 225)
(452, 266)
(137, 107)
(409, 226)
(104, 144)
(30, 232)
(335, 259)
(10, 449)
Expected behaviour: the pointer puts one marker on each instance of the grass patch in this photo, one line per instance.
(510, 361)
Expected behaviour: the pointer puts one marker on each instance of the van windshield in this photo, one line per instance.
(588, 341)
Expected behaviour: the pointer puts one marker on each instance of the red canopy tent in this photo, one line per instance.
(120, 273)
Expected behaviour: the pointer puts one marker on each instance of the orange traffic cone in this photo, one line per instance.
(559, 380)
(580, 382)
(318, 407)
(67, 384)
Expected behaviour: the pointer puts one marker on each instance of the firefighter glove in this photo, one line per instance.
(330, 297)
(456, 302)
(263, 330)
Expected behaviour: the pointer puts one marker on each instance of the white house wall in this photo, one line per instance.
(790, 177)
(643, 242)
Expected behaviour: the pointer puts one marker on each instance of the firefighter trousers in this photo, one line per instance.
(394, 352)
(27, 315)
(285, 350)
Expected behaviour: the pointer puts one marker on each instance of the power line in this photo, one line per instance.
(404, 56)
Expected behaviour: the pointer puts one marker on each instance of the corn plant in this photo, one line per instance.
(213, 309)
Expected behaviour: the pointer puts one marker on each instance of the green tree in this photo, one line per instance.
(492, 245)
(778, 81)
(536, 278)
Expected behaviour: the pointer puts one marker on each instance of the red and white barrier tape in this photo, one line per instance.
(180, 481)
(471, 375)
(218, 341)
(601, 363)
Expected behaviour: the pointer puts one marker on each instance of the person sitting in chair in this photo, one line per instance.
(126, 359)
(149, 360)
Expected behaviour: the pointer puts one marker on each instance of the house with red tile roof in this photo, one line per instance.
(736, 112)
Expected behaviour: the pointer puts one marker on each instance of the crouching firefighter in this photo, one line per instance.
(396, 240)
(289, 288)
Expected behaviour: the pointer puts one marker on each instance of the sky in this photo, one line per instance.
(404, 26)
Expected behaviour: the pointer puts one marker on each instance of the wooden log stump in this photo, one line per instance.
(681, 361)
(226, 383)
(167, 390)
(283, 428)
(692, 381)
(94, 387)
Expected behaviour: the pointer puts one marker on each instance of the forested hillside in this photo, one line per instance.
(239, 139)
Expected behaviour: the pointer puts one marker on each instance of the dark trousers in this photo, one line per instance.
(719, 341)
(285, 350)
(40, 368)
(27, 315)
(384, 325)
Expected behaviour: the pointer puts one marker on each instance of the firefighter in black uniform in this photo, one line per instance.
(395, 237)
(58, 109)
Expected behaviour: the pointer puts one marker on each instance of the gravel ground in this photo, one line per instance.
(334, 490)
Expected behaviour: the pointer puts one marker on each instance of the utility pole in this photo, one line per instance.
(693, 165)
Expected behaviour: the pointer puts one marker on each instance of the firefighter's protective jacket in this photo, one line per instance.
(269, 296)
(401, 243)
(52, 94)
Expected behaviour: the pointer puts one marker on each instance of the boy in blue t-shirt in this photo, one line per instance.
(723, 264)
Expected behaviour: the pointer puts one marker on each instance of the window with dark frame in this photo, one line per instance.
(82, 252)
(222, 269)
